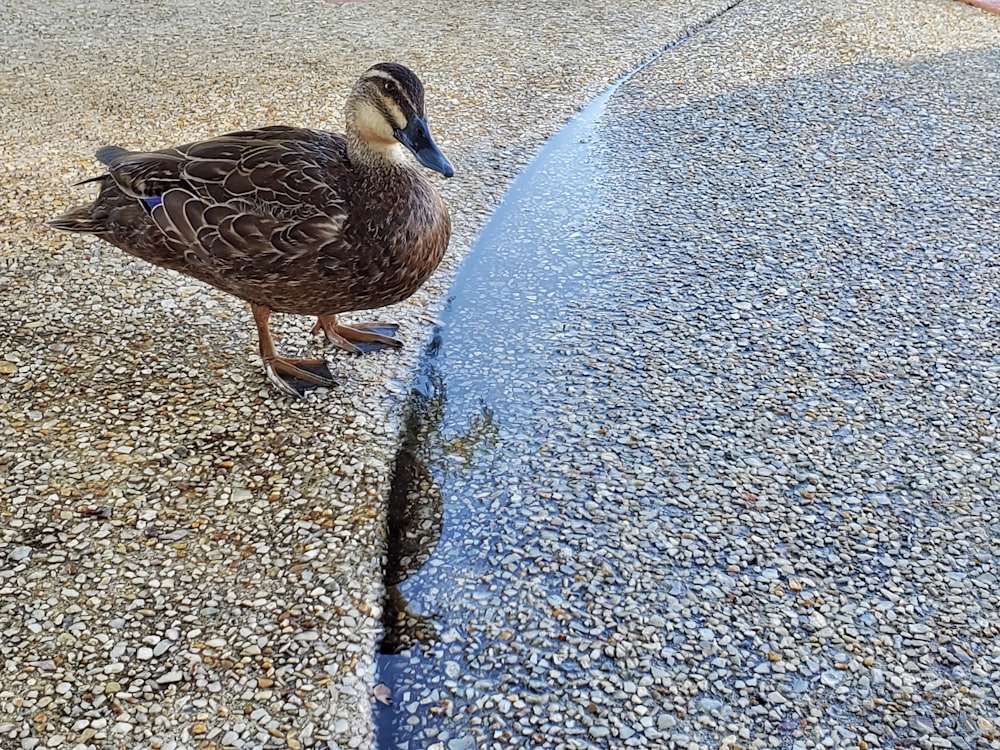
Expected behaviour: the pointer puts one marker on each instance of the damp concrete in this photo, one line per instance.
(704, 452)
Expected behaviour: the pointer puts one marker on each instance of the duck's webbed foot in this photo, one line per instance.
(358, 338)
(292, 376)
(296, 377)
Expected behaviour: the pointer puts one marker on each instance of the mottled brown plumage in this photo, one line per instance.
(290, 219)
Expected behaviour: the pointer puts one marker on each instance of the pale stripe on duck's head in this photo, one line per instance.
(386, 107)
(396, 85)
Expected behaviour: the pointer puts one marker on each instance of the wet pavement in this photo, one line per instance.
(705, 451)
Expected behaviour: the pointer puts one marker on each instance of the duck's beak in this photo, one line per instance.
(416, 137)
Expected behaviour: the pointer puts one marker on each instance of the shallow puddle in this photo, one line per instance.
(473, 514)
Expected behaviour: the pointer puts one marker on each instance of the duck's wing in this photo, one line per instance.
(251, 203)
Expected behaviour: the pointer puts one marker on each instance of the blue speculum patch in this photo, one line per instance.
(152, 203)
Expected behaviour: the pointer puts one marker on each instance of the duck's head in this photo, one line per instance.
(386, 108)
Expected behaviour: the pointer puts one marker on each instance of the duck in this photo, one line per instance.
(290, 219)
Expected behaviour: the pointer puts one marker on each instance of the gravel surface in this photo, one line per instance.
(715, 410)
(187, 559)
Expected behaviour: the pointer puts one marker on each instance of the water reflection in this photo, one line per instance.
(416, 503)
(415, 519)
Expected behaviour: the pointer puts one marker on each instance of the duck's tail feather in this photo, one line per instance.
(92, 218)
(108, 154)
(79, 219)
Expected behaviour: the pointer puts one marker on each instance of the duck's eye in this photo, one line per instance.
(388, 86)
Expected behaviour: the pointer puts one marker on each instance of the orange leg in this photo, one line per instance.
(360, 338)
(292, 376)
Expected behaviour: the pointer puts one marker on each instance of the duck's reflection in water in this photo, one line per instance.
(415, 520)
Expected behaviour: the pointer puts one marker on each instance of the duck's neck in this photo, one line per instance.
(378, 161)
